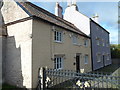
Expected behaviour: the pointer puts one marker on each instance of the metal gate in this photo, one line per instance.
(68, 79)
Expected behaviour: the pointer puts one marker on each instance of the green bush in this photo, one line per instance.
(115, 50)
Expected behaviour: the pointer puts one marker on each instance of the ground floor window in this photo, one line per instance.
(86, 59)
(58, 62)
(108, 56)
(98, 57)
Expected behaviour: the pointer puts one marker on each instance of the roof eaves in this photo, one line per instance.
(60, 20)
(99, 26)
(36, 17)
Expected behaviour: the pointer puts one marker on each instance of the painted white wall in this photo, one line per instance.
(79, 20)
(0, 62)
(19, 54)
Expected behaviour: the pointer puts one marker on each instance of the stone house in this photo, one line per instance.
(33, 38)
(100, 45)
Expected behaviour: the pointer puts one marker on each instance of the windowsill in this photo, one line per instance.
(98, 61)
(86, 46)
(58, 69)
(85, 63)
(58, 42)
(77, 44)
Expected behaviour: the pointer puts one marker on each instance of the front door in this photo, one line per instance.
(103, 60)
(78, 63)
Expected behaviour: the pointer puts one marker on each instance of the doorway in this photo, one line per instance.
(77, 62)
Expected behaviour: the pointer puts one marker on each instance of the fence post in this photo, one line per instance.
(43, 78)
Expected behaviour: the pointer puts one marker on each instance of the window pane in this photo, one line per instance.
(59, 36)
(55, 63)
(58, 62)
(86, 59)
(55, 35)
(74, 39)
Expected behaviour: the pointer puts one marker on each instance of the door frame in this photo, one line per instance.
(78, 57)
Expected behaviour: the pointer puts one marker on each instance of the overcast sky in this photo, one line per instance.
(107, 11)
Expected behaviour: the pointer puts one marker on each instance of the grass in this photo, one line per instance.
(9, 87)
(115, 66)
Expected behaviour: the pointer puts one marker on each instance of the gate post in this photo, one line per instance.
(43, 78)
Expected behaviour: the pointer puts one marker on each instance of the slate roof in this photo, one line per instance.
(36, 11)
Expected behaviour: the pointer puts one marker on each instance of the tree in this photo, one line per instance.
(115, 50)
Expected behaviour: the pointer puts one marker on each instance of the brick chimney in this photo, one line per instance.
(58, 10)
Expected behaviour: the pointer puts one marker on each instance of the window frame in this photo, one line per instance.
(86, 42)
(103, 43)
(108, 56)
(58, 36)
(98, 41)
(86, 59)
(74, 39)
(99, 57)
(58, 62)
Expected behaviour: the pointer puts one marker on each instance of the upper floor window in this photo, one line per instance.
(58, 35)
(103, 43)
(58, 62)
(107, 44)
(86, 59)
(74, 39)
(98, 41)
(86, 43)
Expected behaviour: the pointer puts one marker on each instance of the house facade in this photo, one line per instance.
(100, 45)
(35, 38)
(101, 55)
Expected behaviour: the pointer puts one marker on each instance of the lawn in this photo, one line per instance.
(9, 87)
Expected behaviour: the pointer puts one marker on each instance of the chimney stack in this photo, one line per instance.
(95, 18)
(58, 10)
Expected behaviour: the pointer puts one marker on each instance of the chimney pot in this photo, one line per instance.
(58, 10)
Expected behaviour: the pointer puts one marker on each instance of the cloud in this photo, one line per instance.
(107, 11)
(113, 34)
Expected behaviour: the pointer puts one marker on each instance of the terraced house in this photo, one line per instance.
(33, 38)
(100, 45)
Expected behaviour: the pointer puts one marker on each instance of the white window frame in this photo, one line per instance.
(58, 36)
(107, 44)
(86, 57)
(103, 43)
(74, 39)
(98, 41)
(99, 57)
(108, 56)
(58, 62)
(86, 43)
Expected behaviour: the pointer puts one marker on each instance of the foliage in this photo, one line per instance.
(115, 50)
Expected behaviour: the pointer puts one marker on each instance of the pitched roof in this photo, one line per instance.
(36, 11)
(99, 25)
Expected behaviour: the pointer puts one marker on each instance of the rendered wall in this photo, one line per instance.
(44, 49)
(98, 32)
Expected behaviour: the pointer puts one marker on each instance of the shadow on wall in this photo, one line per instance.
(13, 70)
(11, 57)
(1, 46)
